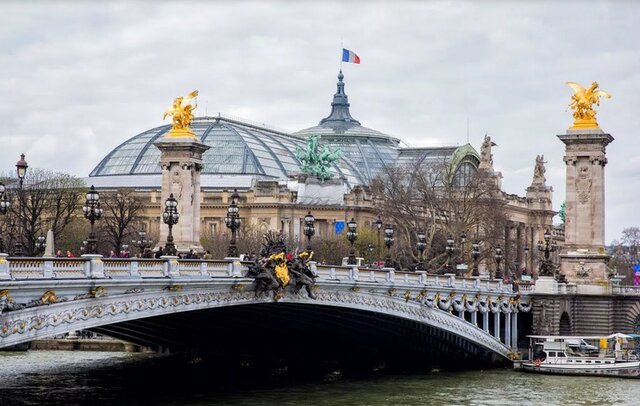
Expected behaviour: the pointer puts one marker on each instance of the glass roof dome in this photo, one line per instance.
(237, 148)
(371, 150)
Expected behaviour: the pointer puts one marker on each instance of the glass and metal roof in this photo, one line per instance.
(237, 148)
(242, 151)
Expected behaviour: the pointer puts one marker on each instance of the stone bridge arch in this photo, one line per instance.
(131, 316)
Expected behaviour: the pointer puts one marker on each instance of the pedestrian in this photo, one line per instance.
(207, 255)
(59, 254)
(159, 252)
(112, 254)
(70, 254)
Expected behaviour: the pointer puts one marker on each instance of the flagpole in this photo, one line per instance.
(341, 52)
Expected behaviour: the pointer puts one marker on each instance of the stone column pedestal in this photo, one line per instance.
(181, 162)
(583, 258)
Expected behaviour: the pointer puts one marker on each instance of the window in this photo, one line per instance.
(561, 355)
(552, 353)
(464, 174)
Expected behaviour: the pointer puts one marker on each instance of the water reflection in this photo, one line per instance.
(99, 378)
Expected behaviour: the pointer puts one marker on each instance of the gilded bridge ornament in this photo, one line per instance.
(582, 103)
(181, 112)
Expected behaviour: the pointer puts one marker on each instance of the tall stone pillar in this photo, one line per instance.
(583, 259)
(181, 162)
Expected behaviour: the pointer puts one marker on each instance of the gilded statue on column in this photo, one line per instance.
(181, 112)
(582, 102)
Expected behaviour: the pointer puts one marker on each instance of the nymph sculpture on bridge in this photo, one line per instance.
(275, 269)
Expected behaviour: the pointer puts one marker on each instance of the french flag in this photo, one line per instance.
(350, 56)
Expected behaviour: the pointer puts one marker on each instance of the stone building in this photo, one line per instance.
(261, 163)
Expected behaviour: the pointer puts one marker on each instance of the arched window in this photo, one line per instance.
(464, 174)
(565, 325)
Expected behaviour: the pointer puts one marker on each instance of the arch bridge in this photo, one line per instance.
(167, 303)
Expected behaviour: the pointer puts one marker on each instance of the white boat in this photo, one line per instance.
(615, 355)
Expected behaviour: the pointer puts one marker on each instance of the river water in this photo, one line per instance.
(106, 378)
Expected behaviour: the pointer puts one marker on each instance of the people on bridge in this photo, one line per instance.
(70, 254)
(207, 255)
(159, 252)
(59, 254)
(112, 254)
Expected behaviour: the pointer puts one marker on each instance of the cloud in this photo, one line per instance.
(79, 79)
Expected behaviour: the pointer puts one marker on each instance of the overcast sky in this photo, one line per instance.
(77, 80)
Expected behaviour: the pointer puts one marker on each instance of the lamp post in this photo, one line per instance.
(526, 258)
(352, 236)
(378, 224)
(475, 253)
(92, 212)
(370, 249)
(21, 169)
(309, 228)
(142, 242)
(233, 223)
(388, 241)
(498, 258)
(40, 244)
(547, 247)
(421, 244)
(170, 217)
(449, 249)
(5, 205)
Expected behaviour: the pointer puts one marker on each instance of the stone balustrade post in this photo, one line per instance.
(134, 269)
(390, 274)
(203, 269)
(170, 267)
(451, 279)
(353, 273)
(313, 267)
(47, 269)
(4, 267)
(94, 267)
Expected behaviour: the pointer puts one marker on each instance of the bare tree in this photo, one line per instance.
(47, 200)
(431, 197)
(120, 217)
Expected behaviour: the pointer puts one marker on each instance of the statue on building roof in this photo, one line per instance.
(316, 160)
(486, 157)
(182, 114)
(539, 171)
(582, 102)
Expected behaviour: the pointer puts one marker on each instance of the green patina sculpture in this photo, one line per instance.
(316, 160)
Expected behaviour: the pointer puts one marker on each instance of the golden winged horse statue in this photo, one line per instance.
(182, 113)
(582, 102)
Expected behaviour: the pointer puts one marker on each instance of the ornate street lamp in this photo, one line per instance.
(378, 224)
(498, 257)
(547, 247)
(5, 205)
(526, 258)
(142, 242)
(92, 212)
(40, 244)
(352, 236)
(170, 217)
(370, 248)
(475, 253)
(233, 223)
(388, 241)
(309, 228)
(421, 245)
(21, 169)
(449, 249)
(83, 247)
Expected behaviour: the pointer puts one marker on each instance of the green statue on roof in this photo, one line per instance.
(316, 160)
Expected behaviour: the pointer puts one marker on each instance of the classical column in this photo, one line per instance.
(507, 328)
(514, 329)
(474, 318)
(496, 325)
(485, 321)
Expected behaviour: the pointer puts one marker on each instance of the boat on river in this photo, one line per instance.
(615, 355)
